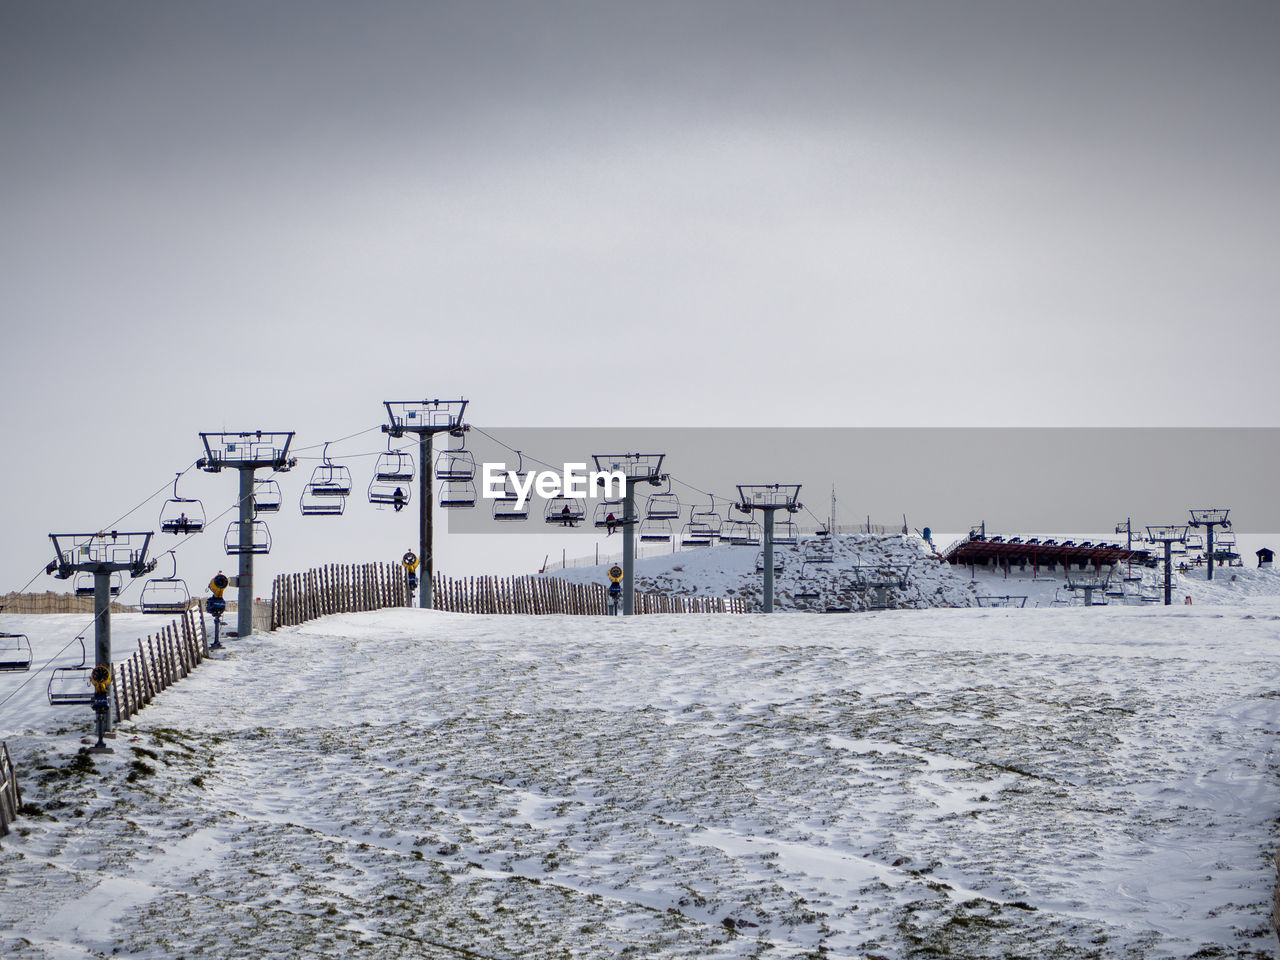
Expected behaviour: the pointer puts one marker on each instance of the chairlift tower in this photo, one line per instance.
(1168, 534)
(246, 452)
(886, 577)
(425, 418)
(636, 468)
(103, 555)
(768, 498)
(1209, 519)
(1087, 583)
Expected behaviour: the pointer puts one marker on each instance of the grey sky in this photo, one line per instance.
(232, 215)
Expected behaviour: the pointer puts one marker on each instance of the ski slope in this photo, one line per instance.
(968, 783)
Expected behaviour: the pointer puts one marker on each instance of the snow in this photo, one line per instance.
(1052, 782)
(730, 571)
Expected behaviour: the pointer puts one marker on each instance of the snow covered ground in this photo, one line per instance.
(823, 566)
(1053, 782)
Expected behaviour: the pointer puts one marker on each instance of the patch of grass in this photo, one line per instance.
(137, 770)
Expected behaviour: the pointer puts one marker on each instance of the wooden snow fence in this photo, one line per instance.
(299, 597)
(336, 588)
(160, 661)
(546, 595)
(10, 799)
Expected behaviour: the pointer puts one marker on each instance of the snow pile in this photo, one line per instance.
(837, 569)
(972, 783)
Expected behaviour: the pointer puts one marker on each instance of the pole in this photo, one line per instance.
(628, 549)
(1168, 572)
(244, 589)
(102, 625)
(426, 504)
(1210, 526)
(768, 561)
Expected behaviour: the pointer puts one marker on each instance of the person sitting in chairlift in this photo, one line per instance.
(397, 499)
(610, 524)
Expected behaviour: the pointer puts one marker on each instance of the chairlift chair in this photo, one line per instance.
(655, 531)
(318, 502)
(259, 538)
(506, 505)
(457, 465)
(83, 584)
(394, 466)
(696, 535)
(1195, 541)
(70, 685)
(808, 584)
(458, 495)
(606, 509)
(709, 518)
(509, 508)
(181, 515)
(735, 532)
(266, 496)
(565, 511)
(165, 595)
(330, 480)
(15, 652)
(818, 551)
(663, 506)
(389, 493)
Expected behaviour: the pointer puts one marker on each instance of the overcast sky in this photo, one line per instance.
(233, 215)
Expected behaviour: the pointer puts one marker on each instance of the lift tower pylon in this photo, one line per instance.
(103, 555)
(425, 418)
(1168, 534)
(1209, 519)
(246, 453)
(768, 498)
(636, 468)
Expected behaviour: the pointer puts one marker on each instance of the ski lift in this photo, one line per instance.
(818, 551)
(565, 511)
(655, 531)
(388, 493)
(506, 505)
(70, 685)
(457, 465)
(696, 535)
(777, 563)
(707, 518)
(266, 496)
(751, 534)
(608, 514)
(165, 595)
(15, 652)
(181, 515)
(83, 584)
(329, 479)
(394, 466)
(458, 495)
(259, 538)
(735, 532)
(1195, 541)
(785, 532)
(317, 502)
(808, 584)
(663, 506)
